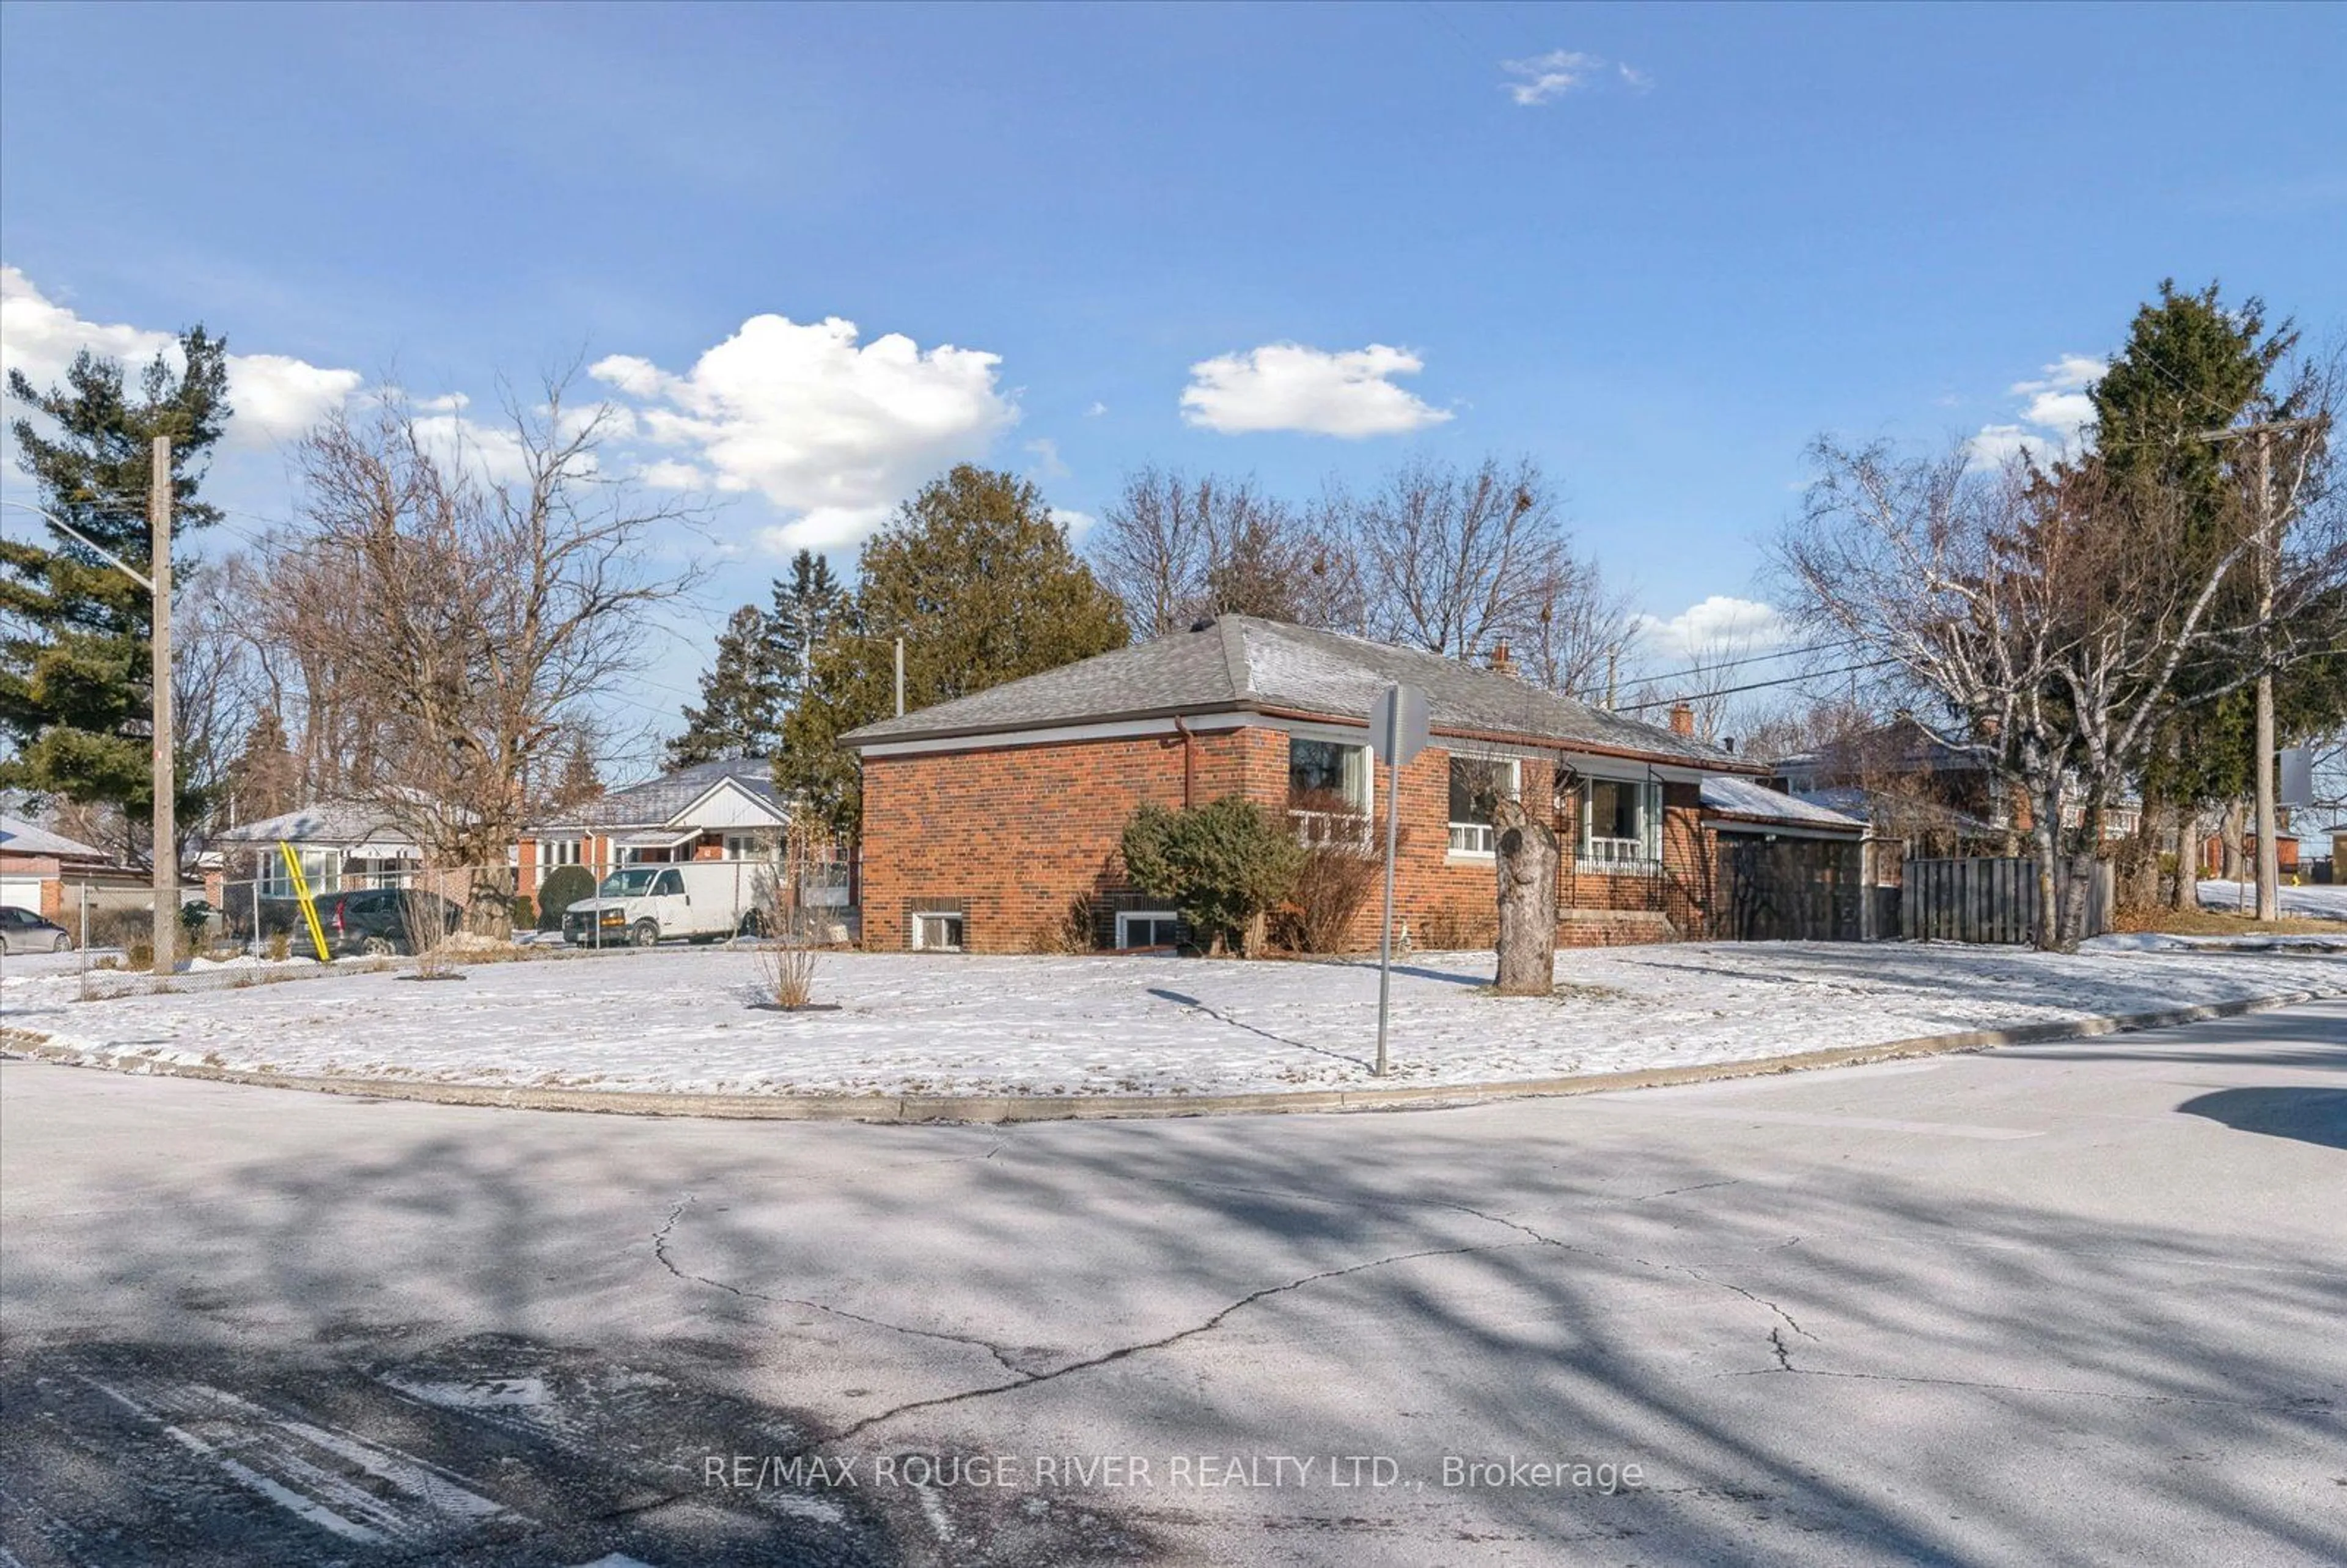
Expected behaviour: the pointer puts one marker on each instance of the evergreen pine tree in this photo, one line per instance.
(580, 782)
(740, 712)
(809, 605)
(978, 581)
(74, 667)
(2193, 364)
(264, 778)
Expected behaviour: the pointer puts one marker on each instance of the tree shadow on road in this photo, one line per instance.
(1862, 1355)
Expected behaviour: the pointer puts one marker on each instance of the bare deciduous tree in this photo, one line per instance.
(1454, 560)
(471, 618)
(1173, 548)
(2046, 613)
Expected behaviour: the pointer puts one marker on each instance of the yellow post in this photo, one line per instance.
(309, 905)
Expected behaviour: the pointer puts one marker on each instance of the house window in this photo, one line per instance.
(554, 852)
(1620, 823)
(321, 868)
(1328, 791)
(1147, 928)
(940, 933)
(1478, 785)
(749, 846)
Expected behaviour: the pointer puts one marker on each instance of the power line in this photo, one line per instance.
(1759, 685)
(1694, 670)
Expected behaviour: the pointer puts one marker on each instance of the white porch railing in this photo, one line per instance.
(1617, 854)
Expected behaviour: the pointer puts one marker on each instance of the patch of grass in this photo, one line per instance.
(2221, 923)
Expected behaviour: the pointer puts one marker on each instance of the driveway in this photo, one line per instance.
(2066, 1303)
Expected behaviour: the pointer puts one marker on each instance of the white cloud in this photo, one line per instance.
(1544, 78)
(1078, 524)
(2053, 422)
(493, 452)
(1547, 77)
(1096, 410)
(1718, 627)
(1288, 386)
(832, 433)
(1049, 464)
(669, 475)
(275, 397)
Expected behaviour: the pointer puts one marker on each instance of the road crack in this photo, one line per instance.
(660, 1250)
(1124, 1352)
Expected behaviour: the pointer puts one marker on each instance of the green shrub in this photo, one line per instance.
(564, 886)
(1220, 864)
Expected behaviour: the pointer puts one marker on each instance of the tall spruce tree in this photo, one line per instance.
(740, 712)
(75, 675)
(809, 605)
(979, 581)
(2194, 364)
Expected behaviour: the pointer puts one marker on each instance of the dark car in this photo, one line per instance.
(22, 931)
(369, 920)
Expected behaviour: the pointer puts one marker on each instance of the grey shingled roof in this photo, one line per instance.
(1239, 663)
(655, 800)
(332, 822)
(1732, 796)
(18, 836)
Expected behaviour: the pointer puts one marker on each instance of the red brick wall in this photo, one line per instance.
(1017, 835)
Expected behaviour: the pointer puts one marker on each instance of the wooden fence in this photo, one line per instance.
(1985, 899)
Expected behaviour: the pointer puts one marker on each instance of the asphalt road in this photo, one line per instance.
(2074, 1303)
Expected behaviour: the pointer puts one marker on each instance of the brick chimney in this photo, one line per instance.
(1501, 663)
(1682, 719)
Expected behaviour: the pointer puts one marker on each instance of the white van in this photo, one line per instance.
(637, 906)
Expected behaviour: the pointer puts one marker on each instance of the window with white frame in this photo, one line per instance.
(1620, 823)
(322, 872)
(940, 932)
(749, 846)
(1477, 786)
(554, 852)
(1329, 790)
(1147, 927)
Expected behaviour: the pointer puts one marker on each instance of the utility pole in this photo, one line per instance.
(166, 844)
(2268, 549)
(2268, 845)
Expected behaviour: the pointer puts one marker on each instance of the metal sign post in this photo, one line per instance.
(1398, 733)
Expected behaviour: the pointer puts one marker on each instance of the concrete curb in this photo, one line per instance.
(1001, 1108)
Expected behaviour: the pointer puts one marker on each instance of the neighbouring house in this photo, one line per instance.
(990, 821)
(724, 810)
(342, 846)
(44, 872)
(1938, 797)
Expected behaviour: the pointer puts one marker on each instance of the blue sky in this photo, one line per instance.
(1662, 253)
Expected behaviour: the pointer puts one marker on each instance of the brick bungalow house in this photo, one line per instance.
(722, 810)
(986, 818)
(43, 871)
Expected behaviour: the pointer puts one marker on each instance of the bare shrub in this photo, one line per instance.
(424, 919)
(1071, 934)
(790, 931)
(279, 946)
(1337, 882)
(1458, 927)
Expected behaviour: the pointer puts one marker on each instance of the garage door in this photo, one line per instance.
(23, 891)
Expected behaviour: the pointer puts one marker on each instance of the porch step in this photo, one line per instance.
(1613, 927)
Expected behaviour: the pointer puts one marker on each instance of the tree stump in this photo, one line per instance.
(1526, 852)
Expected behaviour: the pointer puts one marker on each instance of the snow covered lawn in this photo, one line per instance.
(922, 1024)
(2323, 902)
